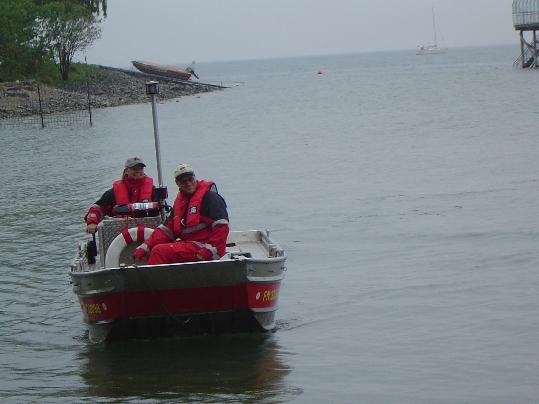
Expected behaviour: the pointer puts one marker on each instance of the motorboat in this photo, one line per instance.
(120, 299)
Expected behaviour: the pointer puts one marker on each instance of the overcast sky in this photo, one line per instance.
(179, 31)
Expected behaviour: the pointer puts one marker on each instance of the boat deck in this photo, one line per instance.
(251, 244)
(248, 249)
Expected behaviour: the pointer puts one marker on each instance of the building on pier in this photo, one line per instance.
(526, 21)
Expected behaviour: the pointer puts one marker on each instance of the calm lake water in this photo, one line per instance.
(404, 190)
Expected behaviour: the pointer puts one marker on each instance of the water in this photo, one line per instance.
(404, 190)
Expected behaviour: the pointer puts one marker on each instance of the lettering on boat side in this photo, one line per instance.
(267, 295)
(92, 308)
(263, 296)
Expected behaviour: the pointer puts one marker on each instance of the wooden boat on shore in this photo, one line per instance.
(174, 72)
(120, 300)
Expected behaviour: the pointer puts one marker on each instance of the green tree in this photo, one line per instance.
(16, 33)
(63, 29)
(96, 7)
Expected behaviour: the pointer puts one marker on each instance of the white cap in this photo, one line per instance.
(134, 161)
(183, 169)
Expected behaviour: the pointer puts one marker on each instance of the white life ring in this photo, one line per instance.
(122, 240)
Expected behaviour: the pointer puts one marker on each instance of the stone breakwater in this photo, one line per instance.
(108, 89)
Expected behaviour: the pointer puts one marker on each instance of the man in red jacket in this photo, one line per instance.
(197, 227)
(134, 186)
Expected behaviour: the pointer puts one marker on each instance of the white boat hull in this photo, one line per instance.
(430, 51)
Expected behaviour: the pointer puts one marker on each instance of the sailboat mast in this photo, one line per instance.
(434, 27)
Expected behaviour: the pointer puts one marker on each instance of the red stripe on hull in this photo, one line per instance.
(261, 296)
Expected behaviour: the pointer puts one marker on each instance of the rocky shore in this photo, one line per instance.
(109, 88)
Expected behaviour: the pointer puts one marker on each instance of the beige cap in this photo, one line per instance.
(134, 161)
(183, 169)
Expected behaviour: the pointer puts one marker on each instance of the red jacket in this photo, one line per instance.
(123, 191)
(129, 191)
(200, 217)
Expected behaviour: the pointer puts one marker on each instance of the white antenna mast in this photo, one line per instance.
(434, 26)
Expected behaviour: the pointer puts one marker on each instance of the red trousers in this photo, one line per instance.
(179, 251)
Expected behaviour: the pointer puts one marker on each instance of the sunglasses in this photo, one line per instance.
(186, 180)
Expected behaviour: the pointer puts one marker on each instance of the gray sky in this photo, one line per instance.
(179, 31)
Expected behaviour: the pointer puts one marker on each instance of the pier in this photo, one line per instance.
(526, 21)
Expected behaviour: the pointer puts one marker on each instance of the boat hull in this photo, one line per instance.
(162, 70)
(232, 295)
(430, 50)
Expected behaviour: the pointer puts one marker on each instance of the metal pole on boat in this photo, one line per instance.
(152, 89)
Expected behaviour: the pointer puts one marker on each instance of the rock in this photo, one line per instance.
(110, 88)
(21, 94)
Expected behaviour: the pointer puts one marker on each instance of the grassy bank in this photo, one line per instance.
(49, 75)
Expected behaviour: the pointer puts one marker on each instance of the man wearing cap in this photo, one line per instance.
(197, 227)
(135, 186)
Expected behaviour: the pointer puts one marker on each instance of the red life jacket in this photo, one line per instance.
(125, 192)
(188, 222)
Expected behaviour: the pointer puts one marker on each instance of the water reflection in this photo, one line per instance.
(204, 369)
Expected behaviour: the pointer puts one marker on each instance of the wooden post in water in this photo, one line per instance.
(535, 49)
(89, 104)
(522, 48)
(88, 91)
(40, 107)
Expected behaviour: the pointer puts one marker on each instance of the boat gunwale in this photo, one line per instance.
(239, 259)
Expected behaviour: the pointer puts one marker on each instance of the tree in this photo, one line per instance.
(63, 29)
(96, 7)
(16, 34)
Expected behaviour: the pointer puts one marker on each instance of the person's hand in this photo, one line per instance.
(139, 254)
(204, 255)
(91, 228)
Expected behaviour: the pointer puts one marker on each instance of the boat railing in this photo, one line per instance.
(273, 249)
(110, 228)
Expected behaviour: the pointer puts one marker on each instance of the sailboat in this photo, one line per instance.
(431, 49)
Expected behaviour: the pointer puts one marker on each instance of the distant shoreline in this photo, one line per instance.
(109, 88)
